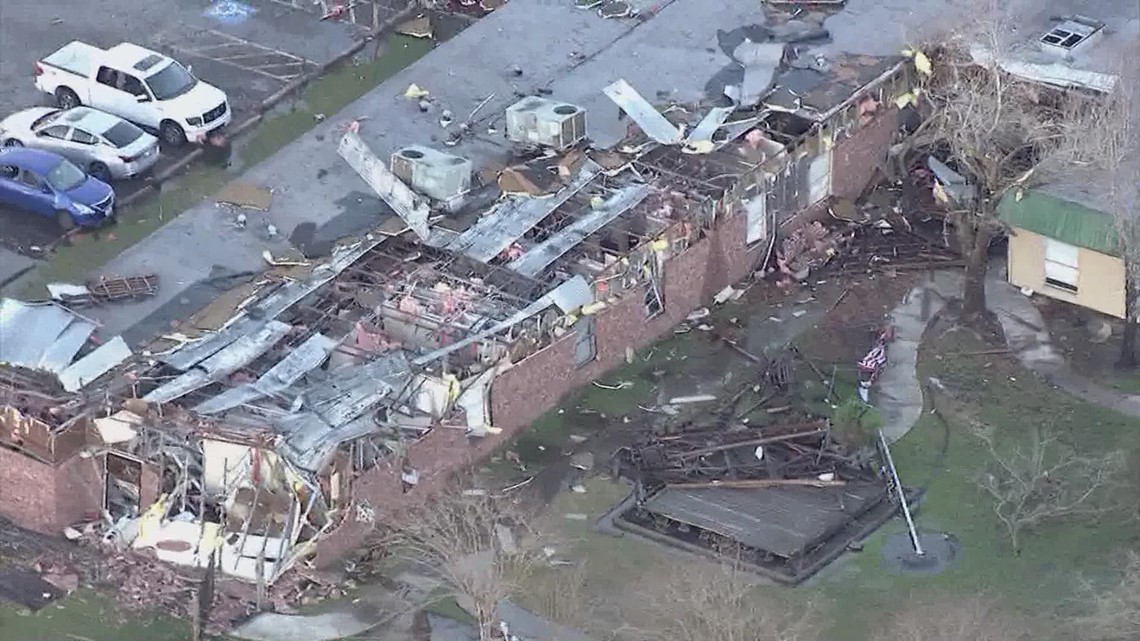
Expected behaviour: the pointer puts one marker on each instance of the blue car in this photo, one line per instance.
(50, 185)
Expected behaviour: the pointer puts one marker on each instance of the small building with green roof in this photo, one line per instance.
(1063, 243)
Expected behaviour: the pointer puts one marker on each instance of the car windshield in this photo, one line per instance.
(122, 134)
(171, 82)
(66, 176)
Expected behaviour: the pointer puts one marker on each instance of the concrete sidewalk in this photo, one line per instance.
(1028, 336)
(898, 392)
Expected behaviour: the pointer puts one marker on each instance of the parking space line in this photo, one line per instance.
(274, 63)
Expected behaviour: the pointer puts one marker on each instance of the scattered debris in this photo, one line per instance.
(248, 195)
(418, 27)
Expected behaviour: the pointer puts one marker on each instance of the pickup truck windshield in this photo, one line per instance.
(171, 82)
(65, 176)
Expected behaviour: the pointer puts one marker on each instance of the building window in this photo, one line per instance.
(586, 340)
(1061, 265)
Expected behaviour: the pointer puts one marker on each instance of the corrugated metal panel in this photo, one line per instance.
(28, 331)
(100, 361)
(515, 216)
(303, 359)
(280, 299)
(352, 391)
(409, 206)
(240, 353)
(59, 355)
(311, 442)
(638, 108)
(542, 255)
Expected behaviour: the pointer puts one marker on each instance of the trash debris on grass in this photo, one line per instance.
(418, 27)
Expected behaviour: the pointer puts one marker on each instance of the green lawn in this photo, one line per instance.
(856, 595)
(86, 616)
(327, 95)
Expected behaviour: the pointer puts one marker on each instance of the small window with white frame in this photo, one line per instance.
(1061, 265)
(1071, 32)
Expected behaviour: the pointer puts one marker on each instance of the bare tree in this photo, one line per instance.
(1104, 163)
(1116, 611)
(991, 127)
(973, 619)
(472, 542)
(709, 602)
(1039, 481)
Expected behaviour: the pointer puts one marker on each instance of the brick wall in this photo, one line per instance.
(855, 159)
(47, 498)
(539, 382)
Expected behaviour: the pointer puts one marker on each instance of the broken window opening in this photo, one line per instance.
(122, 486)
(586, 340)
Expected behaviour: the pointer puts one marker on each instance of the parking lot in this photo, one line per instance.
(249, 49)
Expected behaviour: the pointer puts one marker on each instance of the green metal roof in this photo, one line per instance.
(1060, 219)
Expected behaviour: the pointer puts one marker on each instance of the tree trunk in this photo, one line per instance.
(974, 241)
(1127, 359)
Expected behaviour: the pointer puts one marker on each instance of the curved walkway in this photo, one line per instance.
(898, 392)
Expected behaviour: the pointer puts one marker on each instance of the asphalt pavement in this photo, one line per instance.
(249, 49)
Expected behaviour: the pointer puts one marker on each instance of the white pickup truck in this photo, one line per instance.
(136, 84)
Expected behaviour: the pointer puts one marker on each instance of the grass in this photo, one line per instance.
(87, 616)
(856, 595)
(327, 95)
(1129, 383)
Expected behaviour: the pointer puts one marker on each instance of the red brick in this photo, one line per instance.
(855, 159)
(48, 498)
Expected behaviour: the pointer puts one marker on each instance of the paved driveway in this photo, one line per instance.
(250, 49)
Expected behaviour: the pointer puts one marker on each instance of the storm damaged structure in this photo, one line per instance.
(492, 286)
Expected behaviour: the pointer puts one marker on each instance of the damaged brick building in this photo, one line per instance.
(335, 393)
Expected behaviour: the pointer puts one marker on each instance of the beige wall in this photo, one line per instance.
(1100, 277)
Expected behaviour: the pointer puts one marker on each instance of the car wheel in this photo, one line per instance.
(100, 171)
(66, 98)
(65, 221)
(12, 142)
(172, 134)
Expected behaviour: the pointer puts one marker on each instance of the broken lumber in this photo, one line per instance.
(750, 484)
(751, 443)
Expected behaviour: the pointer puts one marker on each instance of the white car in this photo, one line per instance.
(147, 88)
(106, 146)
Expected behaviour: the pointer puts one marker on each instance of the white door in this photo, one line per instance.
(757, 210)
(819, 177)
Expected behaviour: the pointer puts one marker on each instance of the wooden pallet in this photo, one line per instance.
(111, 289)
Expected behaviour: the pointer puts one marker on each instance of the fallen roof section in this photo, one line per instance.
(509, 220)
(542, 255)
(238, 354)
(305, 358)
(100, 361)
(638, 108)
(41, 336)
(413, 209)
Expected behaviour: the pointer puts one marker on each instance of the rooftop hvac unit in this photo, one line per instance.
(432, 173)
(548, 123)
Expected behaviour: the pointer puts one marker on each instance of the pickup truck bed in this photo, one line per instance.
(74, 57)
